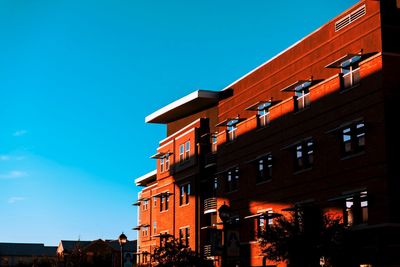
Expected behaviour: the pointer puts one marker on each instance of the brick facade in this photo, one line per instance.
(328, 134)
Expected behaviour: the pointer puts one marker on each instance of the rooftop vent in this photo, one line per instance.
(353, 16)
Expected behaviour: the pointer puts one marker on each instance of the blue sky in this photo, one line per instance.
(77, 79)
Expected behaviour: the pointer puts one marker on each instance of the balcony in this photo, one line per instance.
(210, 205)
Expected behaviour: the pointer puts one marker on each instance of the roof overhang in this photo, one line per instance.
(297, 84)
(192, 103)
(143, 180)
(265, 105)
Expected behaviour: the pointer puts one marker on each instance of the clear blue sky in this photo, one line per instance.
(77, 79)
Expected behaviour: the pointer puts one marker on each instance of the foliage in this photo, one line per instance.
(174, 254)
(304, 237)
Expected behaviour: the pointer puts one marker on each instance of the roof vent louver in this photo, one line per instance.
(353, 16)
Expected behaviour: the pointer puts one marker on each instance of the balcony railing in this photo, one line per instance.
(210, 205)
(208, 251)
(351, 78)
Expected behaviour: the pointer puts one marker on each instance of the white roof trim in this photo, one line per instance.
(181, 101)
(145, 177)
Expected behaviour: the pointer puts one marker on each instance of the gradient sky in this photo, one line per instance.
(77, 78)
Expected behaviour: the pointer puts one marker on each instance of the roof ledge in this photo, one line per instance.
(187, 105)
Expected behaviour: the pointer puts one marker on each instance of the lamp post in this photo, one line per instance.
(225, 215)
(122, 239)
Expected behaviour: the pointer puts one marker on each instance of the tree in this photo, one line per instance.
(304, 237)
(173, 253)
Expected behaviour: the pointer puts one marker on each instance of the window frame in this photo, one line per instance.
(232, 177)
(264, 166)
(184, 194)
(304, 154)
(352, 138)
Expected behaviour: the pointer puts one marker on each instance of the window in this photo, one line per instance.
(181, 153)
(155, 201)
(184, 194)
(154, 228)
(187, 150)
(161, 164)
(145, 204)
(214, 145)
(350, 71)
(232, 129)
(263, 222)
(145, 231)
(263, 113)
(304, 155)
(264, 166)
(353, 139)
(232, 179)
(356, 209)
(184, 152)
(167, 162)
(184, 235)
(303, 95)
(164, 163)
(164, 201)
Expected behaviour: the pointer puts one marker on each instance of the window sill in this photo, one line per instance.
(353, 155)
(184, 205)
(302, 170)
(163, 211)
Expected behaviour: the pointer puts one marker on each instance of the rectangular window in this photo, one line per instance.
(232, 129)
(303, 95)
(184, 152)
(304, 155)
(145, 231)
(181, 153)
(167, 162)
(263, 114)
(154, 228)
(214, 145)
(264, 165)
(187, 150)
(164, 201)
(232, 179)
(161, 164)
(263, 221)
(353, 139)
(350, 72)
(356, 209)
(184, 194)
(145, 204)
(155, 201)
(184, 235)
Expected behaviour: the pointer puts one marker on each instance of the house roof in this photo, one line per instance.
(69, 245)
(27, 249)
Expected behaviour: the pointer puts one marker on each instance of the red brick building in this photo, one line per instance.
(315, 124)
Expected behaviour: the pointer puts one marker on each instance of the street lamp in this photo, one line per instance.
(122, 239)
(225, 215)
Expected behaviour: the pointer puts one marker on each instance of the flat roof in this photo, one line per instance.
(142, 180)
(192, 103)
